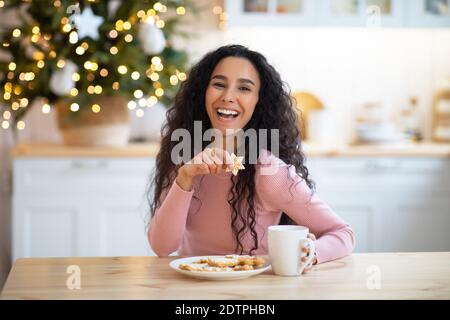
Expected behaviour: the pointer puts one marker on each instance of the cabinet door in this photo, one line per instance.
(388, 200)
(428, 13)
(48, 226)
(271, 12)
(419, 224)
(80, 207)
(121, 225)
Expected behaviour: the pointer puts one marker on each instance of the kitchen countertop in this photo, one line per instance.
(310, 149)
(401, 276)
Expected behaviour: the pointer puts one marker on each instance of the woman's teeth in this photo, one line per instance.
(227, 113)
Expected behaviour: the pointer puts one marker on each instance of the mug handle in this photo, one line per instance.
(309, 257)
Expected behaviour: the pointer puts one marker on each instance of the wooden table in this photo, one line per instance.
(400, 275)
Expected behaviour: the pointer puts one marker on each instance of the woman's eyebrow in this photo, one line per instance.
(221, 77)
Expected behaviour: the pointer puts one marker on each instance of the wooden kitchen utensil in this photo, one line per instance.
(305, 103)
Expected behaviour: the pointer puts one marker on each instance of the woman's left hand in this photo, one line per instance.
(305, 253)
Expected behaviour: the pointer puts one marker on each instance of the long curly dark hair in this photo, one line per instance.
(274, 110)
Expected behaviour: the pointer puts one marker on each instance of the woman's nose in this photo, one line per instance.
(228, 96)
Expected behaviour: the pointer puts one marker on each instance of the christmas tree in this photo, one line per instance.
(78, 50)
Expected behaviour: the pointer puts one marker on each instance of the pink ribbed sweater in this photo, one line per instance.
(202, 226)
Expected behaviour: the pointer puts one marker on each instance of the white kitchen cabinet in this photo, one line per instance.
(341, 13)
(393, 204)
(80, 206)
(97, 206)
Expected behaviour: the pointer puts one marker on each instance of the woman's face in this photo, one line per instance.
(232, 93)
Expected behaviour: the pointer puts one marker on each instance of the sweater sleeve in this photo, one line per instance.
(284, 190)
(169, 221)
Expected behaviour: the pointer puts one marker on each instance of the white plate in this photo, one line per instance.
(225, 275)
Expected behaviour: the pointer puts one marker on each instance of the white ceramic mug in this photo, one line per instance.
(285, 249)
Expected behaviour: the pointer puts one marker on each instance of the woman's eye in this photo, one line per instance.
(244, 89)
(220, 85)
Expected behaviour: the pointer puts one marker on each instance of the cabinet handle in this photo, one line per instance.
(79, 164)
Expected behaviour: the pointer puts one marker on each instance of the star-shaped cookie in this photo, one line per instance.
(237, 164)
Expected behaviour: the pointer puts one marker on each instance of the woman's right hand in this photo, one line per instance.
(209, 161)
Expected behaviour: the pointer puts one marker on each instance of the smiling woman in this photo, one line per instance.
(232, 93)
(199, 207)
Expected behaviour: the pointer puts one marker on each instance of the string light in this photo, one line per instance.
(66, 28)
(74, 107)
(182, 76)
(5, 124)
(40, 64)
(16, 33)
(135, 75)
(80, 50)
(91, 89)
(104, 72)
(46, 108)
(142, 102)
(126, 25)
(96, 108)
(154, 76)
(156, 60)
(98, 89)
(2, 4)
(138, 94)
(113, 34)
(15, 106)
(75, 76)
(157, 6)
(181, 11)
(12, 66)
(139, 113)
(113, 50)
(173, 80)
(73, 37)
(115, 85)
(6, 115)
(151, 101)
(74, 92)
(88, 65)
(38, 55)
(60, 63)
(159, 92)
(131, 105)
(21, 125)
(160, 24)
(35, 30)
(23, 102)
(119, 25)
(128, 38)
(122, 69)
